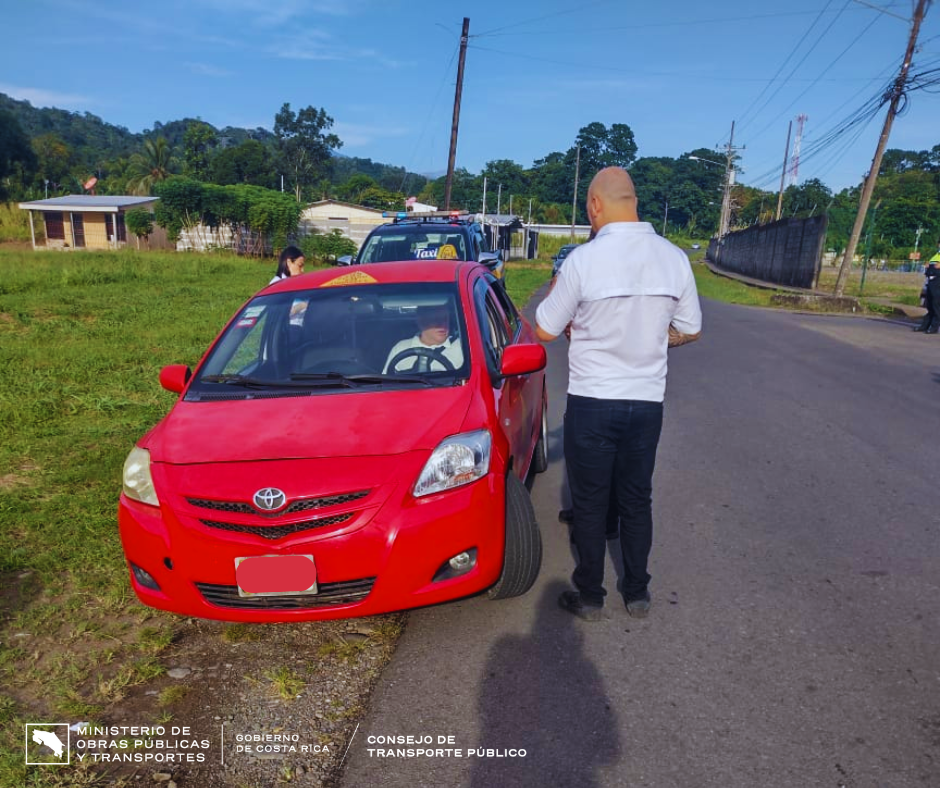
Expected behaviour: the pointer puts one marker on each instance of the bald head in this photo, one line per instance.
(611, 198)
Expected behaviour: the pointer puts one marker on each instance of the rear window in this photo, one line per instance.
(415, 243)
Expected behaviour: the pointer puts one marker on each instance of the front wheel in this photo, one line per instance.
(523, 555)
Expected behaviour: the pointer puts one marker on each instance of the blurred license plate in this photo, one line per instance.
(276, 575)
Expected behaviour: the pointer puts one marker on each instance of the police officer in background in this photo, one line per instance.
(931, 295)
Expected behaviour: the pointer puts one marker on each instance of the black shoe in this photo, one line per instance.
(566, 516)
(639, 608)
(572, 602)
(919, 328)
(932, 330)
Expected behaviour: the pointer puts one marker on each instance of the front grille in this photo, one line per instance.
(277, 531)
(330, 594)
(303, 505)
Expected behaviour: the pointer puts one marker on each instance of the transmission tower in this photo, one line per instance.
(795, 158)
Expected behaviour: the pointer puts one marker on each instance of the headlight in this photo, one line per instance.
(137, 481)
(459, 460)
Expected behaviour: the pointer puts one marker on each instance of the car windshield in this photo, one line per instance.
(338, 339)
(415, 242)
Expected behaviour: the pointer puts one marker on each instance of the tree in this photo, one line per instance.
(198, 142)
(250, 163)
(17, 157)
(353, 188)
(303, 144)
(153, 165)
(54, 157)
(509, 175)
(140, 222)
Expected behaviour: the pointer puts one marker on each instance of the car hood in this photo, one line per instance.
(337, 425)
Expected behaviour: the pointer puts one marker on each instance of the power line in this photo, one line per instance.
(427, 121)
(575, 10)
(783, 65)
(824, 71)
(797, 66)
(655, 25)
(632, 71)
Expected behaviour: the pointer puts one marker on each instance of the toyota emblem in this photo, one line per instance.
(269, 499)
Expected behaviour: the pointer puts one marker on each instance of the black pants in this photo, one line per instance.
(611, 443)
(931, 320)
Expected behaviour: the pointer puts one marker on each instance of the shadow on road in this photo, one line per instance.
(560, 713)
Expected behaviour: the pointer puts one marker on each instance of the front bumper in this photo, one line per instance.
(382, 557)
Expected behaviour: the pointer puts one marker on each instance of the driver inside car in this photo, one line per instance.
(432, 349)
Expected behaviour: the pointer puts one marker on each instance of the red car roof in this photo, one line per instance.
(377, 273)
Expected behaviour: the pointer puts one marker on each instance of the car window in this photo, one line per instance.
(493, 325)
(508, 308)
(375, 332)
(415, 242)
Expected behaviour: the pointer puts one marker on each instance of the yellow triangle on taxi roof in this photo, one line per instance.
(352, 278)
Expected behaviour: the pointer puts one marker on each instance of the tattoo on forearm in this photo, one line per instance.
(677, 338)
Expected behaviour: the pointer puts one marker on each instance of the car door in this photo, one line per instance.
(513, 408)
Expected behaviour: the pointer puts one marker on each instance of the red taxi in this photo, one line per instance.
(353, 442)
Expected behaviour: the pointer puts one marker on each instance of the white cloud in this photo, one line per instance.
(208, 70)
(358, 135)
(40, 97)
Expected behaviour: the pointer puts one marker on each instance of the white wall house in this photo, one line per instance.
(354, 221)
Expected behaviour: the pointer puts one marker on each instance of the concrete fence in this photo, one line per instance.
(788, 252)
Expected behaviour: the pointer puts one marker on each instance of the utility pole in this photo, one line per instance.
(871, 229)
(530, 211)
(783, 172)
(499, 200)
(665, 217)
(897, 92)
(574, 199)
(448, 184)
(726, 196)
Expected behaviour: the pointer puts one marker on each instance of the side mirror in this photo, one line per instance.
(490, 259)
(346, 259)
(522, 360)
(175, 377)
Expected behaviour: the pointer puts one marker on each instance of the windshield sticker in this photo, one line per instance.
(428, 253)
(447, 252)
(355, 278)
(297, 311)
(246, 322)
(253, 311)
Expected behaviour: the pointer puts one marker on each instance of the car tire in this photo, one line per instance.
(523, 555)
(540, 455)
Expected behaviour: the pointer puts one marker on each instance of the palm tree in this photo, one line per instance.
(155, 164)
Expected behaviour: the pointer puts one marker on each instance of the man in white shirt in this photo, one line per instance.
(432, 344)
(629, 295)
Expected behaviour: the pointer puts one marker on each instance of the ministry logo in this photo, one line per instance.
(47, 744)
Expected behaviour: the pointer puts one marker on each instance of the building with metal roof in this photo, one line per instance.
(88, 221)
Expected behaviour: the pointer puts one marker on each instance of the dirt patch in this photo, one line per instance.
(18, 479)
(817, 302)
(296, 692)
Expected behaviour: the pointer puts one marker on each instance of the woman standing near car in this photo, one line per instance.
(290, 263)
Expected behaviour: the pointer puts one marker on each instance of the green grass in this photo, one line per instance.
(720, 288)
(902, 288)
(524, 278)
(82, 339)
(14, 224)
(83, 336)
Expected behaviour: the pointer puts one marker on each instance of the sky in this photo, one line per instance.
(677, 72)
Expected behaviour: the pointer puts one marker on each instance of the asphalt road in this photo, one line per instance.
(794, 638)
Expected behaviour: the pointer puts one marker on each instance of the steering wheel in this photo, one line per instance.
(421, 352)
